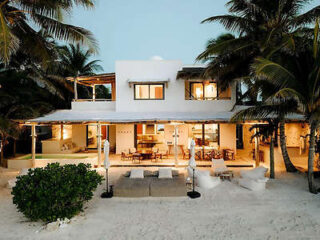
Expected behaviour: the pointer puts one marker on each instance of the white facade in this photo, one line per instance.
(125, 111)
(174, 92)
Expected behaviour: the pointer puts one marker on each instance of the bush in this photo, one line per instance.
(55, 191)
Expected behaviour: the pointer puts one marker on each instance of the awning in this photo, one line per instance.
(148, 81)
(98, 79)
(76, 116)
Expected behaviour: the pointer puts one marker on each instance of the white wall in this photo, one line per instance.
(174, 94)
(112, 136)
(98, 105)
(79, 135)
(124, 137)
(228, 136)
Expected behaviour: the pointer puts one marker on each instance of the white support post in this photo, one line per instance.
(75, 88)
(33, 145)
(99, 145)
(176, 145)
(93, 92)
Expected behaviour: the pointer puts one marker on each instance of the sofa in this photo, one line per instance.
(150, 186)
(254, 179)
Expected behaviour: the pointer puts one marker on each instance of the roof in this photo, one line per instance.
(150, 81)
(191, 72)
(98, 79)
(76, 116)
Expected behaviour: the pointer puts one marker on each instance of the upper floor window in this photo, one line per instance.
(203, 90)
(149, 91)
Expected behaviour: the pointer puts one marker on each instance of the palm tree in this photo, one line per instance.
(21, 19)
(274, 111)
(8, 129)
(21, 98)
(75, 61)
(261, 28)
(298, 77)
(267, 131)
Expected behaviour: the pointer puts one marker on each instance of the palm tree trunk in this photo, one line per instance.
(2, 163)
(289, 166)
(313, 127)
(272, 157)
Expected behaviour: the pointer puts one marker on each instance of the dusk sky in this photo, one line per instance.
(141, 29)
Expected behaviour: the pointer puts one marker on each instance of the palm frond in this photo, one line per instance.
(9, 43)
(273, 72)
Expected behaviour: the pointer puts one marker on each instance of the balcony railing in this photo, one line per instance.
(93, 100)
(208, 98)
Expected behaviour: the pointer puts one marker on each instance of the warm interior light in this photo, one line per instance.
(198, 92)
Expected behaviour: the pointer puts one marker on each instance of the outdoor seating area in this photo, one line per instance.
(150, 184)
(155, 155)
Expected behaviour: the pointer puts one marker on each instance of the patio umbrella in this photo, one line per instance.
(106, 148)
(193, 165)
(192, 160)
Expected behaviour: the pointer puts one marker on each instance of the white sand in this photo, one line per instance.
(286, 210)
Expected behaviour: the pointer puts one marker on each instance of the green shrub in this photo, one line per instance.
(55, 191)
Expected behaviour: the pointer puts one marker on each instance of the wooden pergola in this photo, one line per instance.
(92, 81)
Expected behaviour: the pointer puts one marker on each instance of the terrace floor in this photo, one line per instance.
(169, 162)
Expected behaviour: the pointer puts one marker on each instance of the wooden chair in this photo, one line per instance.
(136, 157)
(198, 155)
(185, 153)
(214, 154)
(156, 155)
(125, 156)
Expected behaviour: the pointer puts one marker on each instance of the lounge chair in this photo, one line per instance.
(219, 167)
(203, 179)
(254, 179)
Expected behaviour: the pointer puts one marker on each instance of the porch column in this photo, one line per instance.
(33, 145)
(99, 145)
(61, 132)
(176, 145)
(256, 149)
(93, 92)
(75, 88)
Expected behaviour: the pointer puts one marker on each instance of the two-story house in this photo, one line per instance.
(156, 104)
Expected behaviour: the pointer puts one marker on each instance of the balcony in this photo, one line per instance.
(96, 104)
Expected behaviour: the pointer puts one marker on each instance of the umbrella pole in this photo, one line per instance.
(193, 193)
(193, 180)
(107, 194)
(107, 180)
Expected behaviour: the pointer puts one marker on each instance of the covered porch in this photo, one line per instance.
(151, 138)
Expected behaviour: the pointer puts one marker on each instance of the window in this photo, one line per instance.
(203, 90)
(149, 91)
(205, 134)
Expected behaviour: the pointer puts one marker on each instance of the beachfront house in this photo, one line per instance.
(156, 108)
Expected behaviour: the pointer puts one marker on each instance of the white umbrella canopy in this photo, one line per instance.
(106, 154)
(192, 161)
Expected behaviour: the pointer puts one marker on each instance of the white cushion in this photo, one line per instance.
(165, 173)
(253, 185)
(255, 174)
(136, 173)
(11, 183)
(207, 182)
(219, 165)
(197, 172)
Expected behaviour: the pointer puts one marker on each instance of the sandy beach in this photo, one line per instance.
(285, 210)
